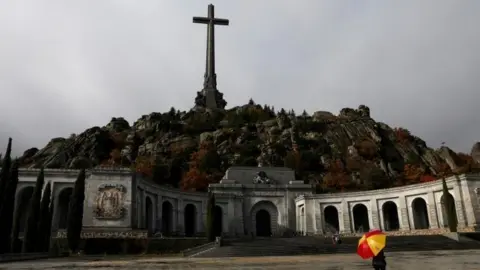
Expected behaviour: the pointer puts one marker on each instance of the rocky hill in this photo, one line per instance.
(191, 149)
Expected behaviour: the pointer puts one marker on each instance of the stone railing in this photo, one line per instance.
(439, 231)
(199, 249)
(14, 257)
(108, 234)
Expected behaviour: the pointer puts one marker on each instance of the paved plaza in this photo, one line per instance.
(438, 260)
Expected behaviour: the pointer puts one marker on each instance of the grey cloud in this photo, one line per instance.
(69, 65)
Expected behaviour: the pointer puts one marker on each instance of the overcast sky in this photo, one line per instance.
(66, 66)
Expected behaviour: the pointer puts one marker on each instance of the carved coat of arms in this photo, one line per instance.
(262, 178)
(109, 203)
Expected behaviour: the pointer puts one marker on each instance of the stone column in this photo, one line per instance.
(459, 206)
(159, 213)
(432, 211)
(180, 217)
(404, 217)
(374, 214)
(345, 214)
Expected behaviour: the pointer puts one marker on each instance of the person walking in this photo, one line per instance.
(379, 262)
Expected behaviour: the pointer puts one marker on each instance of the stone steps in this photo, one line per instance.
(317, 245)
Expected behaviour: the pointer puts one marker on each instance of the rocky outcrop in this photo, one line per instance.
(252, 135)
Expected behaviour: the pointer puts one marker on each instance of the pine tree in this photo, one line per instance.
(75, 212)
(7, 208)
(30, 237)
(44, 223)
(6, 163)
(449, 205)
(211, 218)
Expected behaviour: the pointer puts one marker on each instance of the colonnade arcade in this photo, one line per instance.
(389, 217)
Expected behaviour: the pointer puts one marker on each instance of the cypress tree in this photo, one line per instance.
(211, 218)
(7, 208)
(44, 221)
(4, 173)
(449, 206)
(48, 233)
(30, 237)
(75, 212)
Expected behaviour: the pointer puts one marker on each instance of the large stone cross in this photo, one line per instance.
(210, 82)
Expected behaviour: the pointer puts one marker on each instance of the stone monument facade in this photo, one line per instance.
(260, 201)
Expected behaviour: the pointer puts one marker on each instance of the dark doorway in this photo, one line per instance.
(23, 204)
(262, 223)
(189, 218)
(218, 224)
(444, 209)
(420, 214)
(390, 216)
(330, 213)
(149, 215)
(167, 217)
(360, 218)
(63, 202)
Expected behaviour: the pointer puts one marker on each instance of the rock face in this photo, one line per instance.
(252, 135)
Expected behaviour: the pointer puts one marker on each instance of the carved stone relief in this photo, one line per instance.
(110, 200)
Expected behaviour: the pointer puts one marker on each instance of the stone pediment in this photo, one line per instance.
(260, 175)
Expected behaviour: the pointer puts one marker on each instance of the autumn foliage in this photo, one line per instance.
(336, 178)
(204, 168)
(402, 135)
(144, 165)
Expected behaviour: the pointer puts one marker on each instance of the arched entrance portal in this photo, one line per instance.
(189, 218)
(63, 202)
(262, 223)
(390, 216)
(264, 219)
(22, 207)
(360, 218)
(149, 215)
(167, 217)
(420, 214)
(218, 217)
(330, 214)
(453, 209)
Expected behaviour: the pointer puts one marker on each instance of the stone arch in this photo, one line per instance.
(190, 219)
(332, 222)
(420, 214)
(23, 201)
(167, 217)
(218, 218)
(149, 214)
(360, 218)
(264, 207)
(63, 202)
(444, 209)
(391, 221)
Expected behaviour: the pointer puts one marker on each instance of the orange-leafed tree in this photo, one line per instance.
(427, 178)
(402, 135)
(443, 170)
(204, 168)
(144, 165)
(412, 173)
(336, 178)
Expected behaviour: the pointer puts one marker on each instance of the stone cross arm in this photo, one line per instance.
(206, 20)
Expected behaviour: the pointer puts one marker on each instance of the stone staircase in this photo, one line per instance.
(311, 245)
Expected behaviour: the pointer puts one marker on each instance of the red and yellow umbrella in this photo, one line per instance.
(371, 244)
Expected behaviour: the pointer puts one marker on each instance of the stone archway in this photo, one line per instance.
(189, 219)
(262, 223)
(360, 218)
(218, 217)
(260, 210)
(420, 214)
(444, 209)
(167, 218)
(330, 215)
(63, 202)
(149, 215)
(23, 202)
(390, 216)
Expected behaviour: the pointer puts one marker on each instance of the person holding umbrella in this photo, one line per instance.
(371, 245)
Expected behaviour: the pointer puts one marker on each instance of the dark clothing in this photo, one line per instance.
(378, 262)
